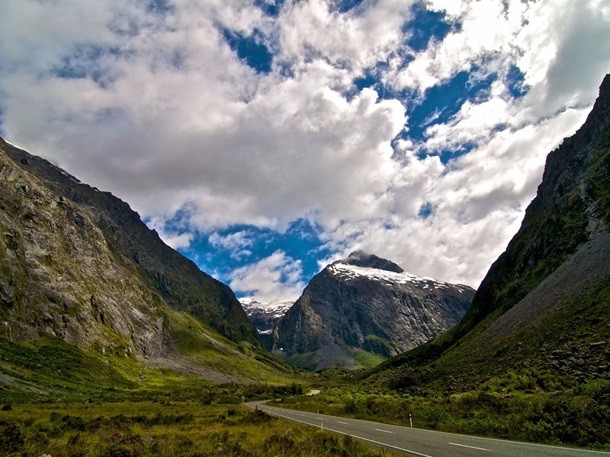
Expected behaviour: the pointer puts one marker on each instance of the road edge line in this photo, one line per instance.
(347, 434)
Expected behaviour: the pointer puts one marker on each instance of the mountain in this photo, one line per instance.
(362, 309)
(545, 302)
(264, 316)
(79, 269)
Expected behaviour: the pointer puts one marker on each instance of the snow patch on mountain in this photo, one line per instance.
(265, 315)
(349, 272)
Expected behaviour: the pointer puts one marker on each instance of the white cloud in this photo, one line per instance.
(171, 237)
(179, 241)
(163, 113)
(272, 279)
(312, 30)
(486, 33)
(235, 244)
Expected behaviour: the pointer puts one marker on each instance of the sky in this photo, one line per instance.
(264, 139)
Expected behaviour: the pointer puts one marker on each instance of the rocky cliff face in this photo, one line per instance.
(78, 264)
(365, 304)
(264, 316)
(572, 207)
(545, 302)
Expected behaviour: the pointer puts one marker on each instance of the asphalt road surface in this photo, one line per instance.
(424, 443)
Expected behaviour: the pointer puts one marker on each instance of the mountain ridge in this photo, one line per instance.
(79, 268)
(353, 314)
(545, 302)
(360, 258)
(115, 214)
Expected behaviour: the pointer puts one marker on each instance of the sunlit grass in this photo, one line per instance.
(527, 405)
(164, 429)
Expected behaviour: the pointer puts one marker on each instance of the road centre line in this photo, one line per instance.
(470, 447)
(384, 431)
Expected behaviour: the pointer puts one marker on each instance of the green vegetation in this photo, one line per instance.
(51, 370)
(306, 361)
(525, 406)
(570, 342)
(309, 360)
(545, 381)
(147, 428)
(366, 359)
(205, 347)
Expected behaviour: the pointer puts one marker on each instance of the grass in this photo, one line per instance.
(184, 428)
(55, 371)
(366, 359)
(362, 359)
(207, 348)
(52, 369)
(524, 406)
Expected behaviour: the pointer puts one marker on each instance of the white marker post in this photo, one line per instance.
(411, 420)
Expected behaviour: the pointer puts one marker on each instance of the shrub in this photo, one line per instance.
(11, 438)
(540, 431)
(279, 444)
(256, 417)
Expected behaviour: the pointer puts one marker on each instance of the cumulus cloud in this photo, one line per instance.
(157, 107)
(354, 40)
(274, 278)
(235, 244)
(174, 238)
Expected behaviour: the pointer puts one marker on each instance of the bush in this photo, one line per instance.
(279, 444)
(539, 432)
(11, 438)
(256, 417)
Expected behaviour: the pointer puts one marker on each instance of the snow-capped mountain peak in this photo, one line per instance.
(265, 315)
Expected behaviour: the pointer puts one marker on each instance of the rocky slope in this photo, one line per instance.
(79, 265)
(365, 305)
(545, 302)
(264, 316)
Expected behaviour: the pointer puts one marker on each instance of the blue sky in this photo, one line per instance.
(264, 139)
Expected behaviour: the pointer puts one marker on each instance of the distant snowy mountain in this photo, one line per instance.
(349, 272)
(362, 309)
(264, 316)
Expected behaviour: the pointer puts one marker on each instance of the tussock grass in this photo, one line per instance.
(527, 405)
(163, 429)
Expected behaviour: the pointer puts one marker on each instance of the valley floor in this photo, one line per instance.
(165, 428)
(517, 406)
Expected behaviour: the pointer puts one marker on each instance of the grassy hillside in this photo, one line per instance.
(549, 288)
(531, 358)
(50, 369)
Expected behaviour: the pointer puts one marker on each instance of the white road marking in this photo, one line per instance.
(342, 423)
(447, 435)
(470, 447)
(384, 431)
(356, 436)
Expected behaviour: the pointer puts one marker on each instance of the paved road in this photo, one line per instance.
(424, 443)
